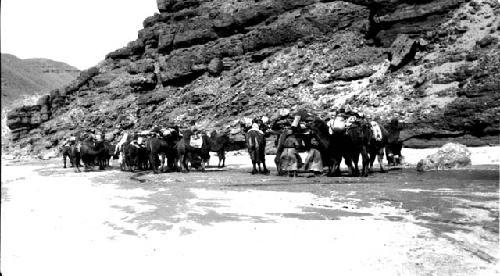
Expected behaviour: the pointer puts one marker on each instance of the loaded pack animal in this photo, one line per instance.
(66, 153)
(394, 144)
(74, 154)
(330, 154)
(110, 152)
(348, 144)
(192, 149)
(164, 145)
(132, 155)
(218, 143)
(358, 139)
(72, 151)
(93, 153)
(256, 143)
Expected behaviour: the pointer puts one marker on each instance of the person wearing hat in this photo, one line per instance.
(288, 161)
(314, 162)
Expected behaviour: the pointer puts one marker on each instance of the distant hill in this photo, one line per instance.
(23, 80)
(25, 77)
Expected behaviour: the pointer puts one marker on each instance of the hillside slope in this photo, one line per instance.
(32, 76)
(432, 64)
(23, 80)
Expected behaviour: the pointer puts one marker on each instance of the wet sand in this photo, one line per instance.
(229, 222)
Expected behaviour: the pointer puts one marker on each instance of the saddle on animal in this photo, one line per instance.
(351, 120)
(196, 141)
(376, 131)
(167, 131)
(255, 127)
(337, 125)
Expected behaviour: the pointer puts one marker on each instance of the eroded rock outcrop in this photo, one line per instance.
(216, 61)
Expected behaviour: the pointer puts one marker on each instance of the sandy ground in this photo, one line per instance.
(228, 222)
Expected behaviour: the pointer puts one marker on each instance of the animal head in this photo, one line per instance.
(318, 126)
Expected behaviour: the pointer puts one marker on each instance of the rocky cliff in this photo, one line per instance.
(433, 64)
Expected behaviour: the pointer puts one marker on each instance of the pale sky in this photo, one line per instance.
(77, 32)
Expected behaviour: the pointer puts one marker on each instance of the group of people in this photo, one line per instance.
(296, 137)
(293, 136)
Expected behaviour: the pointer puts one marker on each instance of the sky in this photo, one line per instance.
(79, 33)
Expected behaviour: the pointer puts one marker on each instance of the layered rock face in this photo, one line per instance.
(218, 61)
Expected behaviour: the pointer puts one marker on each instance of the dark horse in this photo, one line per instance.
(66, 153)
(92, 153)
(130, 157)
(347, 144)
(73, 153)
(329, 153)
(394, 144)
(218, 143)
(358, 138)
(256, 143)
(164, 146)
(187, 153)
(110, 152)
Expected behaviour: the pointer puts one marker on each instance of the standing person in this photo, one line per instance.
(288, 161)
(313, 162)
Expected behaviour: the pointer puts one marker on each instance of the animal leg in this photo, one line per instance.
(185, 162)
(348, 162)
(76, 161)
(372, 159)
(222, 157)
(335, 167)
(254, 171)
(64, 161)
(153, 162)
(355, 160)
(380, 157)
(265, 170)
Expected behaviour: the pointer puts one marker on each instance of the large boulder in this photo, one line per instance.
(215, 66)
(449, 156)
